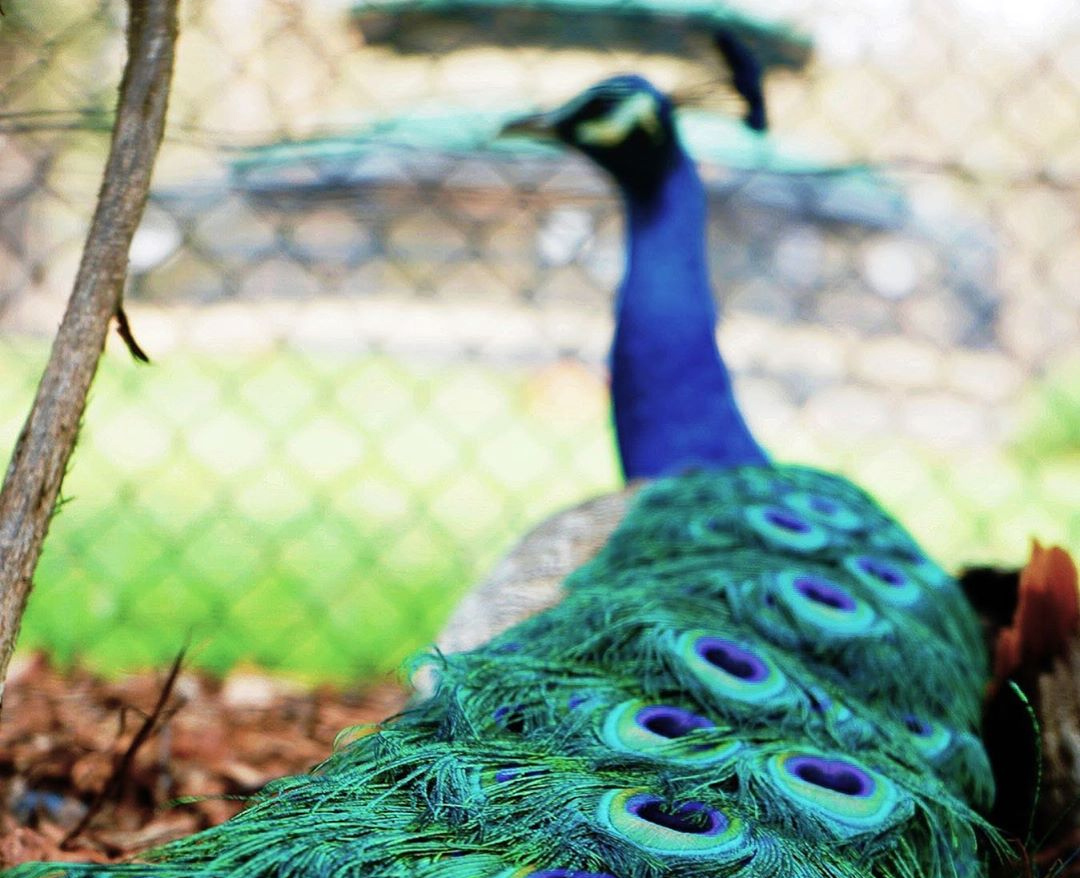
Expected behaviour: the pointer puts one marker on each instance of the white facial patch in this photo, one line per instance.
(640, 111)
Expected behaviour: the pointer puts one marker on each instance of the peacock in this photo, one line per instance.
(760, 673)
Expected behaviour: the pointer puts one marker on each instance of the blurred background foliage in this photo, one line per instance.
(379, 334)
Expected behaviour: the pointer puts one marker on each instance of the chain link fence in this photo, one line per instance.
(379, 336)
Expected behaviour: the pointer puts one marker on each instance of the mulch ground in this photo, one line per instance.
(93, 769)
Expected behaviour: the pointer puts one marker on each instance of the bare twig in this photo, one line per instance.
(123, 329)
(45, 444)
(115, 784)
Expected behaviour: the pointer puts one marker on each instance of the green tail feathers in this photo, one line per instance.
(761, 674)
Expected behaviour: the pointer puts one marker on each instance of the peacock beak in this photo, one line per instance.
(540, 126)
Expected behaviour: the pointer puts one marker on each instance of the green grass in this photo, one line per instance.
(1052, 423)
(312, 515)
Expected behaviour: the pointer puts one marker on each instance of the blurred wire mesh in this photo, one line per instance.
(379, 334)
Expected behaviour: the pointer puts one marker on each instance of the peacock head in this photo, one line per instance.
(624, 124)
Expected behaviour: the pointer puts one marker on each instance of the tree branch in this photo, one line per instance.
(41, 455)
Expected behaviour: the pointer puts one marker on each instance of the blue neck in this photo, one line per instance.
(671, 392)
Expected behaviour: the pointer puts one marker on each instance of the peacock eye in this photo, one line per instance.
(847, 795)
(687, 829)
(735, 672)
(650, 729)
(825, 510)
(821, 591)
(691, 818)
(788, 521)
(882, 571)
(831, 774)
(670, 722)
(831, 609)
(786, 529)
(930, 738)
(733, 659)
(887, 581)
(925, 569)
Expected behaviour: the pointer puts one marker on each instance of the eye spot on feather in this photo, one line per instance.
(670, 722)
(925, 569)
(884, 578)
(825, 593)
(818, 601)
(825, 510)
(784, 528)
(732, 670)
(687, 829)
(637, 727)
(931, 739)
(692, 817)
(738, 662)
(783, 519)
(882, 571)
(849, 796)
(831, 774)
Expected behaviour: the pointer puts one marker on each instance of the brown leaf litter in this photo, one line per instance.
(68, 766)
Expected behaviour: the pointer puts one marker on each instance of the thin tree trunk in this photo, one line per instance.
(41, 455)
